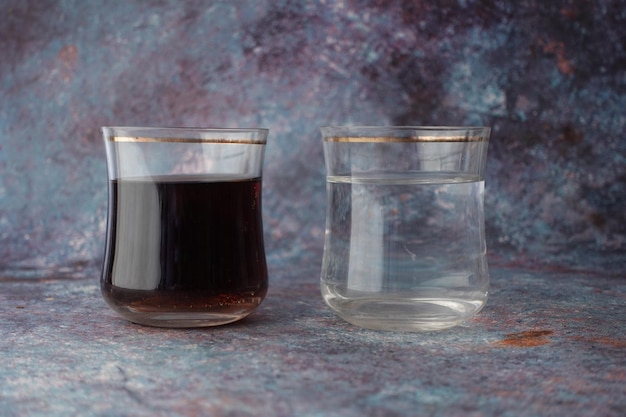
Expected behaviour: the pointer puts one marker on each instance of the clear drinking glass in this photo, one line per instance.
(405, 240)
(184, 244)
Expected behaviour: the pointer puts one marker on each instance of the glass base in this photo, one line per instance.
(182, 320)
(180, 309)
(392, 313)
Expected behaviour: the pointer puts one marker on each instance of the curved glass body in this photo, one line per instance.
(184, 243)
(405, 242)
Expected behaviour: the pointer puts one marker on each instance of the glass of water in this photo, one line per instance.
(405, 244)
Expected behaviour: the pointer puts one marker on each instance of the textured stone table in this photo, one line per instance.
(549, 342)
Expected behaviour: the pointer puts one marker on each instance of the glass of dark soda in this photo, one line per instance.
(184, 244)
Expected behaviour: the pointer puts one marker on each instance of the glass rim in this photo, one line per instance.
(405, 134)
(146, 134)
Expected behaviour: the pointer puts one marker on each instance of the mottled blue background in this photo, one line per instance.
(548, 76)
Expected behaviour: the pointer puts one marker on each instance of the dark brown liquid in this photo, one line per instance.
(184, 245)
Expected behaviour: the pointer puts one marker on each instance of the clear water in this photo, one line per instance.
(405, 251)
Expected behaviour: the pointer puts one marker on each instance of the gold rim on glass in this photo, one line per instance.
(405, 134)
(409, 139)
(140, 134)
(143, 139)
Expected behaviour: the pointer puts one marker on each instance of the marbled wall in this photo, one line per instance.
(548, 76)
